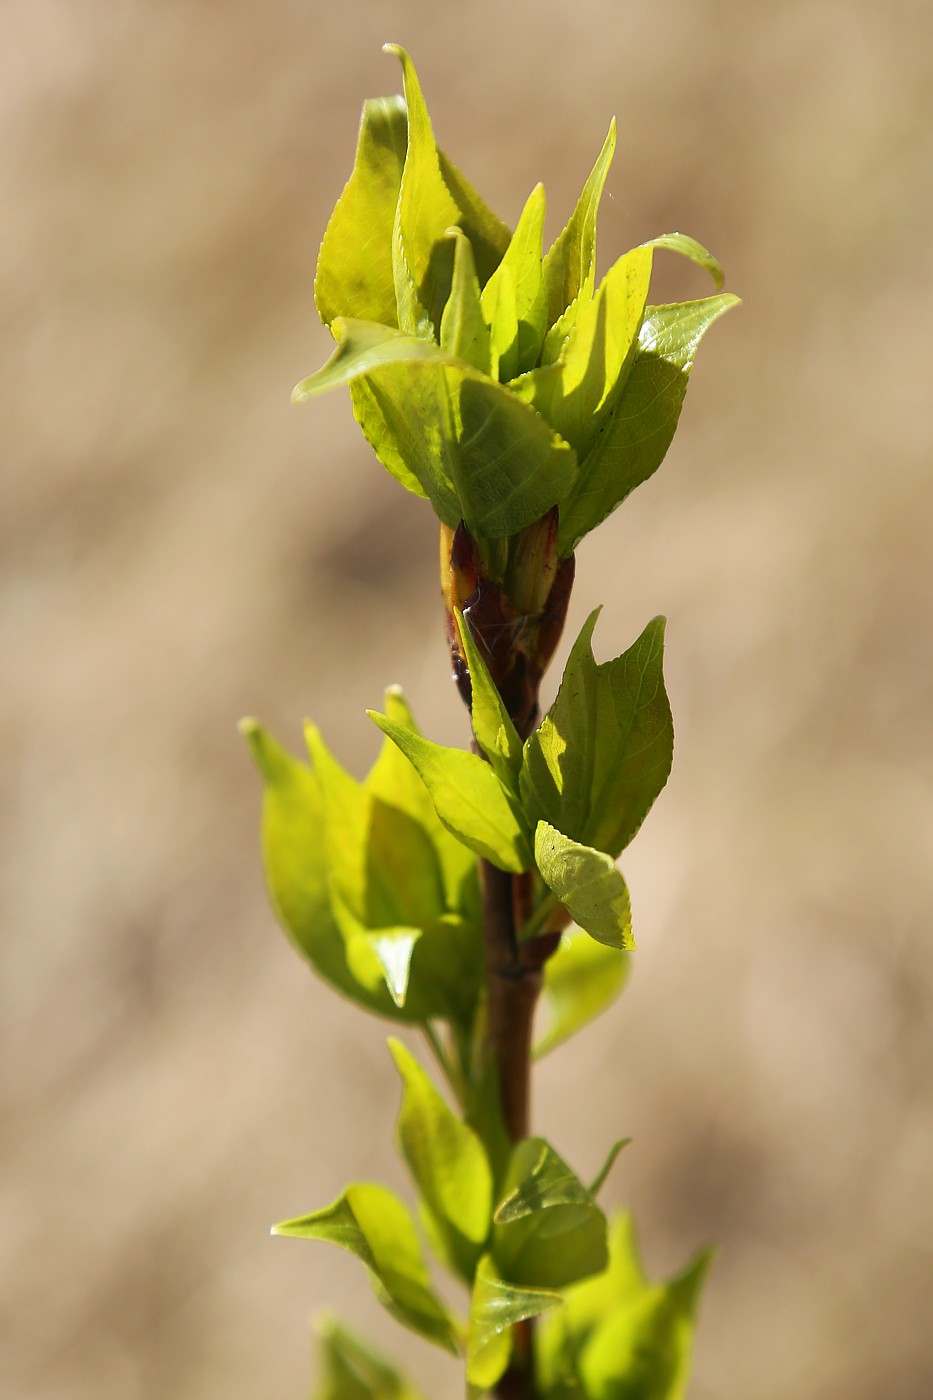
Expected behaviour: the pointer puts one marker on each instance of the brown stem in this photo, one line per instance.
(516, 621)
(514, 973)
(512, 989)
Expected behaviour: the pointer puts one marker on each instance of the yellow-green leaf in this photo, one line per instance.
(352, 1370)
(588, 884)
(448, 1163)
(492, 725)
(638, 432)
(372, 1223)
(581, 981)
(570, 264)
(354, 270)
(514, 301)
(548, 1231)
(495, 1308)
(468, 797)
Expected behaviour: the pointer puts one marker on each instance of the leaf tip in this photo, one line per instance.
(268, 756)
(379, 720)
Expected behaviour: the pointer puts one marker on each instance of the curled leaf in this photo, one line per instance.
(372, 1223)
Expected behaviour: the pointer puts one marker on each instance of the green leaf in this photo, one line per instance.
(354, 271)
(570, 264)
(372, 1223)
(599, 1179)
(379, 954)
(619, 1336)
(393, 781)
(352, 1370)
(426, 209)
(514, 300)
(475, 450)
(634, 741)
(435, 195)
(401, 892)
(468, 797)
(492, 725)
(448, 1163)
(587, 1302)
(640, 428)
(603, 752)
(581, 981)
(641, 1349)
(689, 248)
(489, 236)
(464, 333)
(557, 763)
(588, 885)
(578, 391)
(382, 864)
(495, 1308)
(294, 859)
(547, 1231)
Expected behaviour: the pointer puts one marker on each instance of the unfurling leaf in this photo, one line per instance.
(638, 432)
(352, 1370)
(603, 752)
(599, 1179)
(619, 1336)
(494, 730)
(514, 300)
(581, 981)
(570, 264)
(588, 885)
(379, 897)
(495, 1308)
(295, 864)
(548, 1231)
(448, 1163)
(372, 1223)
(354, 269)
(474, 449)
(468, 797)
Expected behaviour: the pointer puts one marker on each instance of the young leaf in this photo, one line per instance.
(468, 797)
(514, 301)
(577, 392)
(581, 981)
(689, 248)
(464, 333)
(492, 725)
(570, 264)
(588, 885)
(382, 864)
(294, 859)
(489, 236)
(354, 270)
(393, 781)
(642, 1347)
(639, 430)
(374, 953)
(448, 1164)
(599, 1179)
(603, 752)
(557, 763)
(351, 1370)
(495, 1308)
(634, 741)
(372, 1223)
(425, 210)
(435, 195)
(475, 450)
(548, 1231)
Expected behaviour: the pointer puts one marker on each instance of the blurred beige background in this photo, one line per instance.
(178, 547)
